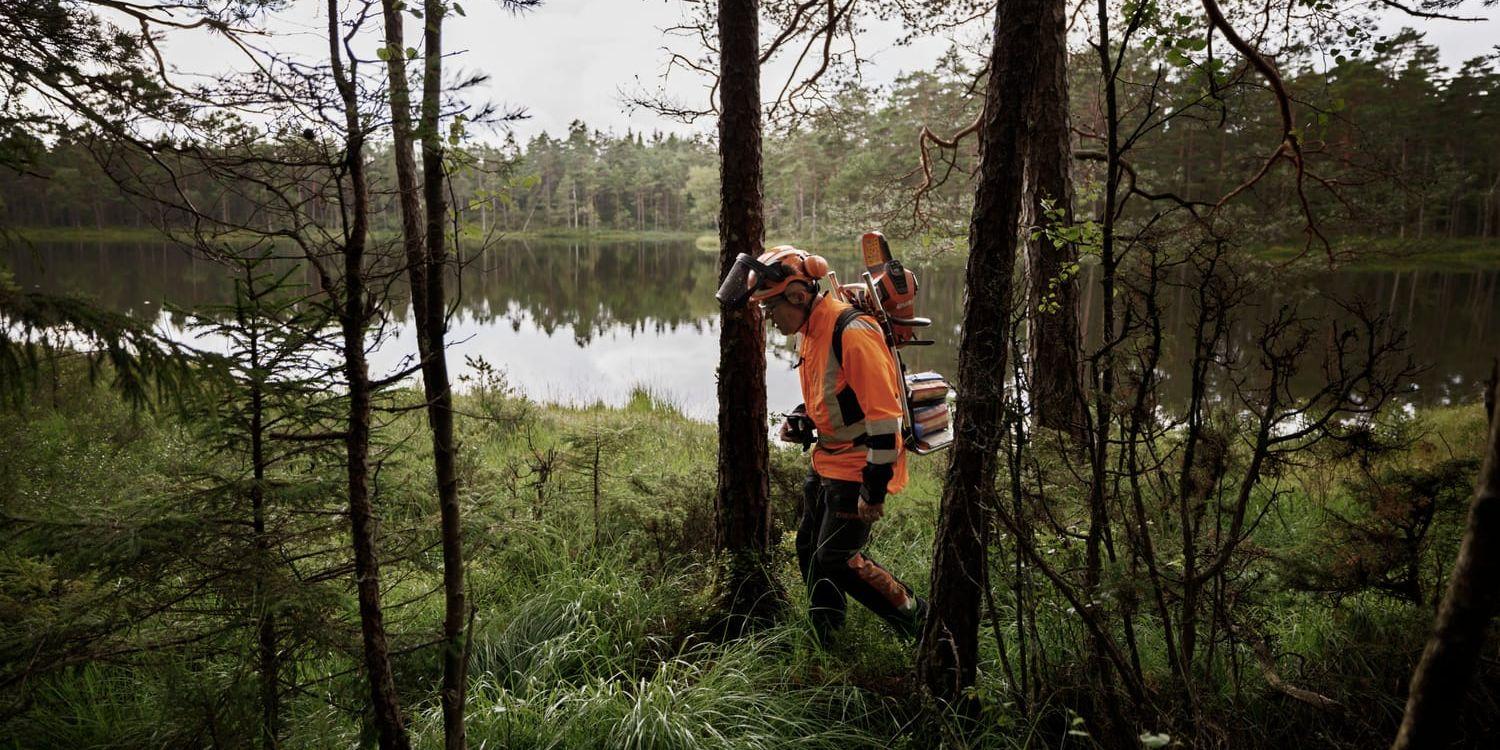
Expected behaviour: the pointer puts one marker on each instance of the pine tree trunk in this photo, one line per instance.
(408, 197)
(266, 627)
(426, 250)
(743, 507)
(1052, 300)
(946, 660)
(439, 389)
(1441, 680)
(352, 321)
(1405, 209)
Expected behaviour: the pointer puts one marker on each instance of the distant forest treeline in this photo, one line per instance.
(1409, 147)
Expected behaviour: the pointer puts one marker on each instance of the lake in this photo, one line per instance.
(580, 323)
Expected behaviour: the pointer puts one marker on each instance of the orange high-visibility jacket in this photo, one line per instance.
(860, 398)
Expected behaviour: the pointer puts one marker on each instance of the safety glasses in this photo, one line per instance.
(767, 305)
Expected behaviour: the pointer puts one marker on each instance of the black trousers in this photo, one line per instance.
(830, 544)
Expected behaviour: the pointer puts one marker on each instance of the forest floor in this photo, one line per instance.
(588, 539)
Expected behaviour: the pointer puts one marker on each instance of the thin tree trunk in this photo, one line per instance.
(743, 507)
(1422, 206)
(1108, 721)
(1405, 209)
(426, 252)
(1052, 301)
(1441, 680)
(352, 320)
(407, 193)
(813, 236)
(439, 389)
(266, 627)
(946, 659)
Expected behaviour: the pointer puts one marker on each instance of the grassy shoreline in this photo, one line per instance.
(1393, 254)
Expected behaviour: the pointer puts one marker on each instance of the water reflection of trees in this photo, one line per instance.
(592, 290)
(1452, 320)
(141, 279)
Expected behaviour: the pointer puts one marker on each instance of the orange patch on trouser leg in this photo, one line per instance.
(880, 580)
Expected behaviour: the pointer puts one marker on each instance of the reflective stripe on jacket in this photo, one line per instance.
(852, 402)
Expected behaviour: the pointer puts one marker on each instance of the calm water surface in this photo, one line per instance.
(572, 323)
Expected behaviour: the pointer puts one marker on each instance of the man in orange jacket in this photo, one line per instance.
(851, 389)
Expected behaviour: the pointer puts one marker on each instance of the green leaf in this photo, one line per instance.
(383, 53)
(411, 52)
(459, 9)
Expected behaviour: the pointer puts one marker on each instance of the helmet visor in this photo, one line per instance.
(744, 277)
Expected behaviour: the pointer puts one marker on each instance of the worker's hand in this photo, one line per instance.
(798, 428)
(870, 513)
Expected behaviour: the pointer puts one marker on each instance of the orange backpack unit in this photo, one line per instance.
(888, 293)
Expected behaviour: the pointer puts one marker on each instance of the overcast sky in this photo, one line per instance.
(570, 59)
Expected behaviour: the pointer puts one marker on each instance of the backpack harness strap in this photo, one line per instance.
(847, 400)
(846, 396)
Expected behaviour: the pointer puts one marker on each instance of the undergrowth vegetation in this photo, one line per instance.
(589, 538)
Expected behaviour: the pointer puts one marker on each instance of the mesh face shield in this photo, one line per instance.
(744, 278)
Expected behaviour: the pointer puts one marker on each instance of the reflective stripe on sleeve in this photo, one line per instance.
(848, 433)
(831, 391)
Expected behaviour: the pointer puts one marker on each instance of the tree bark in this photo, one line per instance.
(1442, 677)
(439, 389)
(742, 504)
(1052, 299)
(426, 252)
(946, 660)
(408, 195)
(352, 320)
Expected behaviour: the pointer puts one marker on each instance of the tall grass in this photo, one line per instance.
(590, 654)
(584, 645)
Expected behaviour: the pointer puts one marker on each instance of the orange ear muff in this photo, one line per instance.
(815, 267)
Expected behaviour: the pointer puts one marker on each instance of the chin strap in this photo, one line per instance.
(807, 316)
(808, 308)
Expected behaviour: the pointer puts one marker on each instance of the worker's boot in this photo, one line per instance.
(911, 626)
